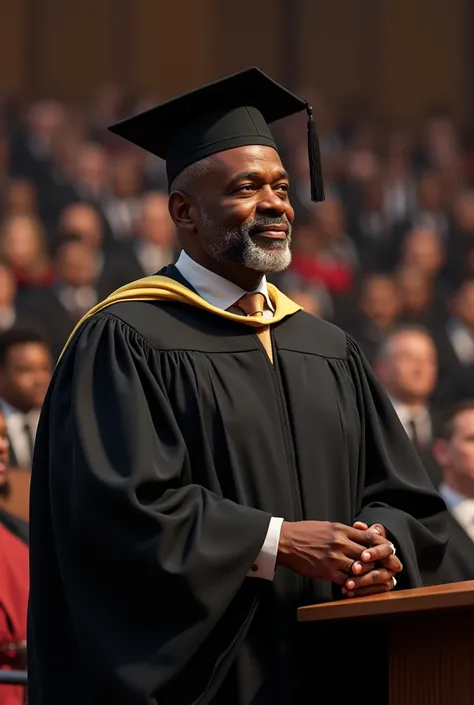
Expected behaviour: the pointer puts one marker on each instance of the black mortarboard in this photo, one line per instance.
(232, 112)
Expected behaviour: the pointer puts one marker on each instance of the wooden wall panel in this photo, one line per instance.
(171, 45)
(423, 57)
(13, 45)
(333, 48)
(77, 45)
(244, 39)
(405, 55)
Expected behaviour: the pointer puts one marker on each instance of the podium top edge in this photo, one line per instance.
(438, 597)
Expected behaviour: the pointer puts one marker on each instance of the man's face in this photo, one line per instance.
(84, 221)
(380, 301)
(76, 264)
(242, 213)
(456, 455)
(26, 376)
(409, 369)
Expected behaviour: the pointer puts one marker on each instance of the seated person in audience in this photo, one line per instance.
(25, 373)
(454, 451)
(406, 364)
(14, 581)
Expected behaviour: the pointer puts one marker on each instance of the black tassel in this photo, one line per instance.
(314, 155)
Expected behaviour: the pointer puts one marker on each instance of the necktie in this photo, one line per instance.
(30, 439)
(252, 305)
(414, 435)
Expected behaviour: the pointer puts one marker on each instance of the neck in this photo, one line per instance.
(247, 279)
(459, 483)
(412, 404)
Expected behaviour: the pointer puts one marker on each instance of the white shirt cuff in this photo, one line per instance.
(264, 565)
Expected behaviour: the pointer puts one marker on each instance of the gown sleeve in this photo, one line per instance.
(153, 566)
(394, 489)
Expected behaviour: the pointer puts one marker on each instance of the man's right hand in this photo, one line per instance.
(326, 550)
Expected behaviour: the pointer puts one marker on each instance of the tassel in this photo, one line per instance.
(314, 155)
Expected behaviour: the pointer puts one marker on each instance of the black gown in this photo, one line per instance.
(166, 443)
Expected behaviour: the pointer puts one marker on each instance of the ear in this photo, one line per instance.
(180, 206)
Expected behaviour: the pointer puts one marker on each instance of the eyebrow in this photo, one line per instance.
(255, 176)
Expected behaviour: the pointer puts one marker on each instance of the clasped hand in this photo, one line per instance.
(358, 558)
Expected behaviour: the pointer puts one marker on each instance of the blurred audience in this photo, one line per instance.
(389, 255)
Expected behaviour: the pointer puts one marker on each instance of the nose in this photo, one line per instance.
(271, 202)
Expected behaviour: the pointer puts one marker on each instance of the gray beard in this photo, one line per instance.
(236, 246)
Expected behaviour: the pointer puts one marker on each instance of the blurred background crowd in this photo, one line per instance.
(389, 255)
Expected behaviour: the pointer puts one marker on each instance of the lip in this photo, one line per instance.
(276, 232)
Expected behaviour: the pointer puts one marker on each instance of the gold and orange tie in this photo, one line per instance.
(252, 305)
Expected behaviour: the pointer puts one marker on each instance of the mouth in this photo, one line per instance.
(271, 232)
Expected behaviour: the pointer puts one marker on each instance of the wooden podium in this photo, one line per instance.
(421, 641)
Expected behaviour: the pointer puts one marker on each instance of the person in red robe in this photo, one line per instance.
(14, 586)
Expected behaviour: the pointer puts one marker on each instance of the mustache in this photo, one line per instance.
(267, 222)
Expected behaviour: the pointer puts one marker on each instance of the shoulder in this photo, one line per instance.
(305, 333)
(172, 326)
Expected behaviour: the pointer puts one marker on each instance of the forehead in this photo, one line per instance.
(464, 421)
(250, 158)
(30, 350)
(413, 340)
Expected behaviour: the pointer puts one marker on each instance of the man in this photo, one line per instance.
(25, 372)
(154, 243)
(406, 365)
(379, 306)
(205, 447)
(454, 451)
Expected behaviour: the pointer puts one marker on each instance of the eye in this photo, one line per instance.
(245, 188)
(282, 187)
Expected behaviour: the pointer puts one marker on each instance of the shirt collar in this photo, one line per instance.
(216, 290)
(452, 498)
(9, 411)
(406, 414)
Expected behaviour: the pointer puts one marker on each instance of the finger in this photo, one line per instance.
(392, 563)
(366, 538)
(371, 590)
(353, 550)
(377, 553)
(339, 577)
(375, 577)
(359, 568)
(377, 528)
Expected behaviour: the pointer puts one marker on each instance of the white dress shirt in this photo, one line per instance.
(461, 507)
(17, 434)
(420, 418)
(221, 293)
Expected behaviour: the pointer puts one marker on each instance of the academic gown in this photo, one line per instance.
(166, 443)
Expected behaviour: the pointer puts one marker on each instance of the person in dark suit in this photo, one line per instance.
(25, 373)
(406, 364)
(454, 451)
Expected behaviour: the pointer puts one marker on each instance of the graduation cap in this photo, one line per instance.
(232, 112)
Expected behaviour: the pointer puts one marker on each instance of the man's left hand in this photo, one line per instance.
(381, 578)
